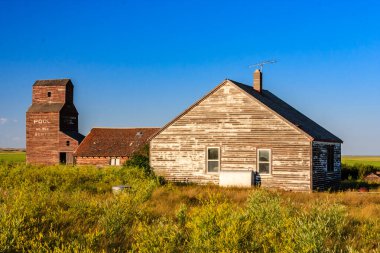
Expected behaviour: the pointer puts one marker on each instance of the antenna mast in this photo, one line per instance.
(261, 64)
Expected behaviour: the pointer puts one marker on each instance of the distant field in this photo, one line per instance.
(17, 156)
(369, 160)
(12, 156)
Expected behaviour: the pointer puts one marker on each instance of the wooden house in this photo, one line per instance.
(243, 135)
(52, 123)
(111, 146)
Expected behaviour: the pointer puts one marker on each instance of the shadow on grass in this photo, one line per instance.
(347, 185)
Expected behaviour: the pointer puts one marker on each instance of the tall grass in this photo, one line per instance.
(72, 209)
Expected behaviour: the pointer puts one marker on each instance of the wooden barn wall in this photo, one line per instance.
(69, 150)
(233, 121)
(101, 161)
(42, 138)
(58, 94)
(323, 180)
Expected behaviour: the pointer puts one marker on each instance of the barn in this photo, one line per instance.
(242, 135)
(111, 146)
(52, 123)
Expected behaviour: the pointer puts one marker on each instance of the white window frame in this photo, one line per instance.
(115, 161)
(269, 162)
(212, 160)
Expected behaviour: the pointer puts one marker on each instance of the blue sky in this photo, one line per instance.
(140, 63)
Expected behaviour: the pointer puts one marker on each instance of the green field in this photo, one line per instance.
(367, 160)
(12, 156)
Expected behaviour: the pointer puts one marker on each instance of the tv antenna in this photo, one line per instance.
(261, 64)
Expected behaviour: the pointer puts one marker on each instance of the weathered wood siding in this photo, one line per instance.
(233, 121)
(44, 141)
(99, 161)
(323, 180)
(42, 138)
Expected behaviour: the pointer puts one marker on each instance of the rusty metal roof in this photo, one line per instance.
(53, 82)
(114, 142)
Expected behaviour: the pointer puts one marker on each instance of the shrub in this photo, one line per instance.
(357, 171)
(140, 159)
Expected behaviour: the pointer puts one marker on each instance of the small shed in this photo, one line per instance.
(111, 146)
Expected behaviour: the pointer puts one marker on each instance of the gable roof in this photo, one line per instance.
(53, 82)
(298, 120)
(108, 142)
(75, 135)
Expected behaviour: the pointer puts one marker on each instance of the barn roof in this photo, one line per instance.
(52, 82)
(108, 142)
(317, 132)
(278, 106)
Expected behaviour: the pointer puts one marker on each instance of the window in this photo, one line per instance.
(213, 159)
(264, 161)
(330, 158)
(115, 161)
(49, 94)
(67, 143)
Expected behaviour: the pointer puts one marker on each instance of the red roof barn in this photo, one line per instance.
(112, 146)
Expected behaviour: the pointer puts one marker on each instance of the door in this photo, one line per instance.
(62, 158)
(69, 158)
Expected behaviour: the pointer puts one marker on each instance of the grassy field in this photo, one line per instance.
(12, 156)
(72, 209)
(368, 160)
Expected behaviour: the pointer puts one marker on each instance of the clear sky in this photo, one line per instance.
(141, 63)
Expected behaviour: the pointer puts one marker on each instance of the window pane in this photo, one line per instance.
(213, 166)
(330, 158)
(213, 154)
(264, 155)
(264, 168)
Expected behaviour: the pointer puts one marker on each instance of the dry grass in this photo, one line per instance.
(167, 200)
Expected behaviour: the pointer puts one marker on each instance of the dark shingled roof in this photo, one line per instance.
(46, 107)
(289, 113)
(75, 135)
(53, 82)
(108, 142)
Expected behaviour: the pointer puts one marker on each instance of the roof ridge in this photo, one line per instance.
(125, 127)
(55, 79)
